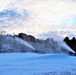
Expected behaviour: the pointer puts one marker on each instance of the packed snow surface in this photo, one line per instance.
(37, 64)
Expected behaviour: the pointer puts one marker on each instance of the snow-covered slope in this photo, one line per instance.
(37, 64)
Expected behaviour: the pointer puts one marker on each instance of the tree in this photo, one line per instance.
(66, 39)
(3, 33)
(32, 38)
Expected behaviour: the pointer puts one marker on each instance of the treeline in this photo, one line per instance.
(29, 38)
(71, 42)
(50, 45)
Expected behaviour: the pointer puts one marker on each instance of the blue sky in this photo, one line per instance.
(38, 17)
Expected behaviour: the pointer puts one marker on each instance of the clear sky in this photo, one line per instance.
(39, 17)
